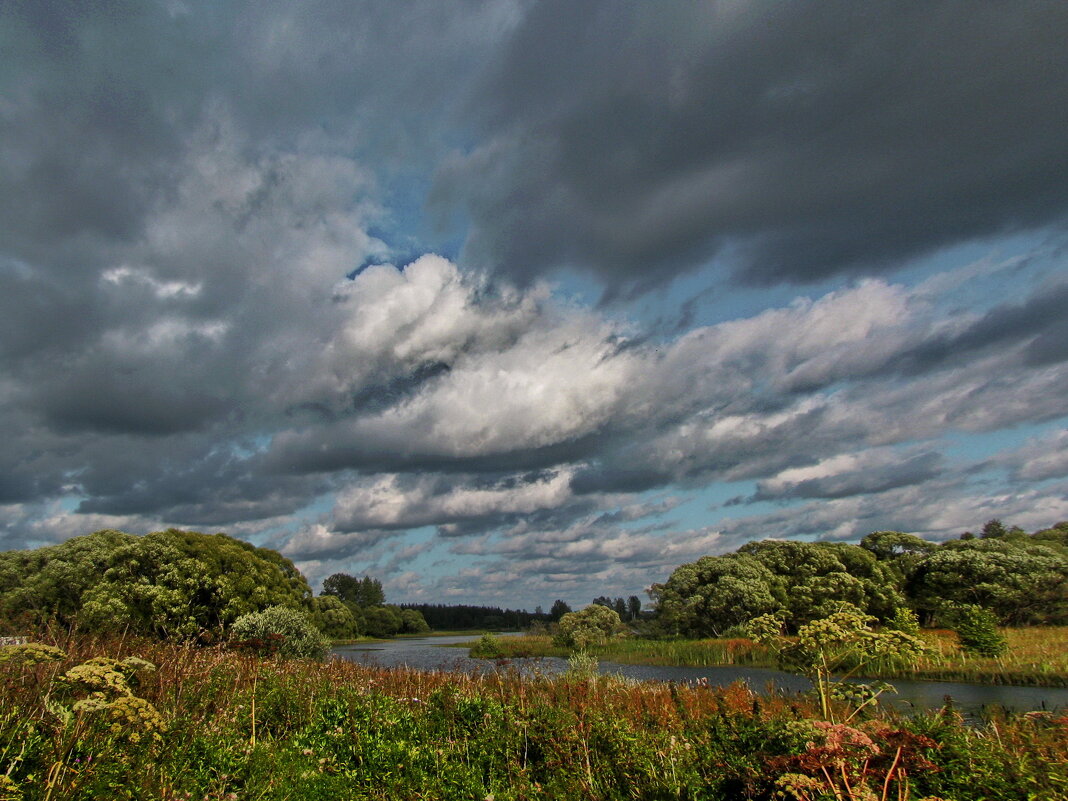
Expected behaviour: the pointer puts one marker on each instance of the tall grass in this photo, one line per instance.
(242, 727)
(1036, 656)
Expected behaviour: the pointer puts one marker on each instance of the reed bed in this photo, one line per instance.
(236, 726)
(1036, 656)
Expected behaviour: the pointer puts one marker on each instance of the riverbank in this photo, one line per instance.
(1036, 657)
(211, 723)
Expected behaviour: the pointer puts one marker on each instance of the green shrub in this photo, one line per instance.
(488, 647)
(592, 626)
(293, 632)
(977, 629)
(905, 620)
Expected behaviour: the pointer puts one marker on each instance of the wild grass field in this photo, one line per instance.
(93, 722)
(1036, 656)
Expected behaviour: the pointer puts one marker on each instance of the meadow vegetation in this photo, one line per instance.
(173, 721)
(1035, 656)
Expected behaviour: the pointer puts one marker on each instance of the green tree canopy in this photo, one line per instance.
(1021, 582)
(169, 583)
(703, 598)
(364, 591)
(593, 625)
(814, 579)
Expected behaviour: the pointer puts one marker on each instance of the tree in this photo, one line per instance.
(634, 607)
(977, 630)
(558, 609)
(890, 546)
(413, 622)
(365, 591)
(167, 583)
(993, 529)
(334, 618)
(814, 579)
(592, 626)
(382, 621)
(704, 598)
(1021, 583)
(342, 586)
(620, 607)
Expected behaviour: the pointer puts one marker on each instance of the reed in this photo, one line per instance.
(1036, 656)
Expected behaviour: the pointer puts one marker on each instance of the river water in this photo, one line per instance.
(425, 653)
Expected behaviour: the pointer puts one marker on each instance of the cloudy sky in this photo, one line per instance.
(505, 301)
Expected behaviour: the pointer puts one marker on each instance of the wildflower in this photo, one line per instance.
(33, 653)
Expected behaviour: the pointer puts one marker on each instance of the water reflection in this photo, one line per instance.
(426, 653)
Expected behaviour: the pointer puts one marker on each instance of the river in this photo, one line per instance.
(426, 653)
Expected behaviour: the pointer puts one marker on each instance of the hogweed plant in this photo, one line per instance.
(831, 650)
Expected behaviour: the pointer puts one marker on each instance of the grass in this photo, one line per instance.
(234, 726)
(1037, 656)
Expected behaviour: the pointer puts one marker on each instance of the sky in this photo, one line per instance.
(504, 301)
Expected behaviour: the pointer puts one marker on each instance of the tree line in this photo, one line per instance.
(1020, 578)
(186, 584)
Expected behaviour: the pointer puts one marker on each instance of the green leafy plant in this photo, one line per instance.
(295, 635)
(592, 626)
(977, 630)
(487, 647)
(832, 649)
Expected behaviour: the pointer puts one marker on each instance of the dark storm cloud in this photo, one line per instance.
(807, 139)
(214, 487)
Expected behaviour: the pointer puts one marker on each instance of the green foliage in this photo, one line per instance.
(977, 630)
(843, 641)
(581, 666)
(1022, 579)
(412, 622)
(338, 730)
(334, 619)
(32, 653)
(299, 637)
(167, 583)
(382, 621)
(704, 598)
(591, 626)
(905, 620)
(801, 580)
(559, 609)
(487, 647)
(1022, 582)
(358, 592)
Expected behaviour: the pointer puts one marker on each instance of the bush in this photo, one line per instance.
(977, 630)
(905, 620)
(488, 647)
(592, 626)
(293, 632)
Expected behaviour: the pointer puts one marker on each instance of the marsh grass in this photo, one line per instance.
(1036, 656)
(237, 726)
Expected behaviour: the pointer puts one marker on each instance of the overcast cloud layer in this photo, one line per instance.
(309, 274)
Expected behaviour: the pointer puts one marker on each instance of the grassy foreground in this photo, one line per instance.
(1036, 656)
(215, 724)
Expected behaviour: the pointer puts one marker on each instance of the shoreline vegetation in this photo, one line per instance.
(91, 718)
(1036, 656)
